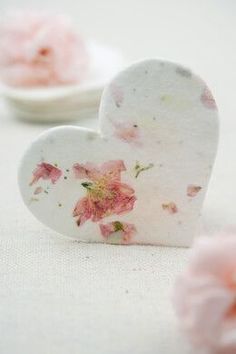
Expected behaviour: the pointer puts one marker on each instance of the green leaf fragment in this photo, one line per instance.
(87, 185)
(118, 226)
(138, 168)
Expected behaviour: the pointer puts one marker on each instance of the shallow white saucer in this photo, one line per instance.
(66, 103)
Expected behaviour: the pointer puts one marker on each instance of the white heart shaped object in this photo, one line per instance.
(67, 102)
(143, 177)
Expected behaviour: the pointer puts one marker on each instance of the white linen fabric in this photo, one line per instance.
(59, 296)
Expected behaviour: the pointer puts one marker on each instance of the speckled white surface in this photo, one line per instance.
(60, 297)
(152, 156)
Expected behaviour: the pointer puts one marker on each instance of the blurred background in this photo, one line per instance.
(41, 281)
(199, 34)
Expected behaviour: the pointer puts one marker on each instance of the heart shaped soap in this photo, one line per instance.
(142, 178)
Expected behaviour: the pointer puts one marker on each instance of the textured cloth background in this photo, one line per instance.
(61, 297)
(58, 296)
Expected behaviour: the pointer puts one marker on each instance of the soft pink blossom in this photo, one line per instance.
(46, 171)
(193, 190)
(128, 132)
(125, 230)
(205, 295)
(170, 207)
(39, 49)
(207, 99)
(106, 194)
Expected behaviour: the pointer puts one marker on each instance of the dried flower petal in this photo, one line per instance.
(193, 190)
(46, 171)
(126, 230)
(207, 99)
(38, 190)
(128, 132)
(170, 207)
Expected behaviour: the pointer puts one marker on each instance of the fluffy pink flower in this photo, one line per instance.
(46, 171)
(38, 49)
(125, 230)
(127, 132)
(205, 295)
(193, 190)
(106, 195)
(207, 99)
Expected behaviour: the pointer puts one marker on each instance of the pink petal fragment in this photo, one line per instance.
(128, 132)
(170, 207)
(46, 171)
(207, 99)
(193, 190)
(38, 190)
(87, 170)
(127, 231)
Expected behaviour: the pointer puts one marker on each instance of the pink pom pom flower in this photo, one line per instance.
(205, 295)
(38, 49)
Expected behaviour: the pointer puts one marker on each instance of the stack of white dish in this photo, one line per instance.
(67, 103)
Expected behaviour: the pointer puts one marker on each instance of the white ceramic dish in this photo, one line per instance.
(67, 103)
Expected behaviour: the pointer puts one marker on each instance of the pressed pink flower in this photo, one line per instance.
(170, 207)
(46, 171)
(38, 49)
(207, 99)
(126, 231)
(205, 295)
(193, 190)
(106, 195)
